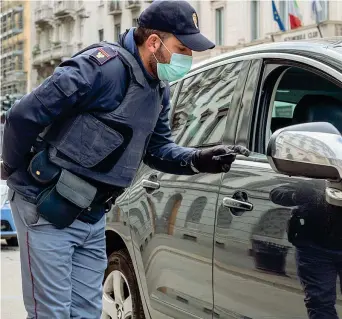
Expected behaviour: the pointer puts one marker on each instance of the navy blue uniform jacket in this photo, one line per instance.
(82, 83)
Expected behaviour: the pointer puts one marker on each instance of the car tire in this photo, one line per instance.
(121, 297)
(12, 242)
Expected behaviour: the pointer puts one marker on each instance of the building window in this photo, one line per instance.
(219, 25)
(19, 21)
(284, 12)
(323, 11)
(81, 29)
(254, 20)
(134, 22)
(117, 31)
(101, 35)
(3, 24)
(20, 62)
(20, 45)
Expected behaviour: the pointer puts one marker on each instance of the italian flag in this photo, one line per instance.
(294, 15)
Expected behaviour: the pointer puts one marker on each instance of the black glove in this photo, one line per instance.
(217, 159)
(5, 171)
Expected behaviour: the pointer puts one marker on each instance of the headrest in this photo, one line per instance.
(280, 122)
(318, 108)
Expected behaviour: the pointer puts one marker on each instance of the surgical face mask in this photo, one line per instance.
(178, 67)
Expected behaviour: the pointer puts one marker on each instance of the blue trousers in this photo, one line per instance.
(317, 270)
(62, 269)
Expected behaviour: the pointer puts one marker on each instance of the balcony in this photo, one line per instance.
(15, 76)
(64, 8)
(12, 32)
(8, 8)
(53, 55)
(43, 15)
(133, 4)
(114, 7)
(62, 51)
(11, 53)
(42, 57)
(327, 28)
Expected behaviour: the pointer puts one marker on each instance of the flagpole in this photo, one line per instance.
(319, 30)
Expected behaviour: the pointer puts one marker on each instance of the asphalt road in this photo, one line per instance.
(12, 306)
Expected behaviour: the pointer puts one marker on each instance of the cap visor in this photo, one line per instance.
(195, 42)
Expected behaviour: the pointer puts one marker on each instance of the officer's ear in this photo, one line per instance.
(153, 43)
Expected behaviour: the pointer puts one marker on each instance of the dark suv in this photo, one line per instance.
(216, 246)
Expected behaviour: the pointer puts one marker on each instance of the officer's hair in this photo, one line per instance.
(142, 34)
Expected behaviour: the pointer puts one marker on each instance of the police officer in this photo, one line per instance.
(74, 144)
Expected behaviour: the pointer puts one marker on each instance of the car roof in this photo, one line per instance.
(322, 45)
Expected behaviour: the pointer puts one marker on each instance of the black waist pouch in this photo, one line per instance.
(63, 202)
(42, 169)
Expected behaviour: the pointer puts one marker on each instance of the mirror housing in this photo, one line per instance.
(311, 150)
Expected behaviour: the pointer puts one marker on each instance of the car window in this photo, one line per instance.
(298, 99)
(203, 104)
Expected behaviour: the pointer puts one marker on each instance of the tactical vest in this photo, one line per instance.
(108, 146)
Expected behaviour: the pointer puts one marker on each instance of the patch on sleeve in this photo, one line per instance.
(103, 55)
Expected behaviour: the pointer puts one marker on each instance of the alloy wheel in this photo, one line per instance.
(116, 299)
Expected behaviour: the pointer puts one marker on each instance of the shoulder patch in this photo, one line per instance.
(103, 55)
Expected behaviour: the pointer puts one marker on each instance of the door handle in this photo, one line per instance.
(149, 184)
(237, 204)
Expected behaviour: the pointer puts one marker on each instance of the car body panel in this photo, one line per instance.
(172, 229)
(197, 259)
(8, 229)
(255, 273)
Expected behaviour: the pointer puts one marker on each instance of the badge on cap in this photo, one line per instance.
(102, 55)
(195, 19)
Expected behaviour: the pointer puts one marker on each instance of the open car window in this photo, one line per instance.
(301, 97)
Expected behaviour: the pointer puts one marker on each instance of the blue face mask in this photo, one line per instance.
(178, 67)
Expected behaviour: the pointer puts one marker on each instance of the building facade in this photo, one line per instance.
(15, 47)
(60, 28)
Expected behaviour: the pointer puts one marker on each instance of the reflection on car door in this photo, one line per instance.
(254, 264)
(172, 217)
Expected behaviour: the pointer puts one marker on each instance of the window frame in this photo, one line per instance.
(101, 34)
(255, 20)
(117, 31)
(262, 110)
(246, 122)
(219, 29)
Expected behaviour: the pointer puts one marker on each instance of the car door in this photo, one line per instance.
(172, 217)
(255, 272)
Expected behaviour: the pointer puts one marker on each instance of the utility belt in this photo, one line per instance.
(326, 232)
(67, 196)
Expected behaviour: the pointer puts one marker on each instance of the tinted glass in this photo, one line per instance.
(203, 105)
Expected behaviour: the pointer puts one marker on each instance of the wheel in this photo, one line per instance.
(12, 241)
(121, 297)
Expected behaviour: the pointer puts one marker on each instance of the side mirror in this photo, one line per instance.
(310, 150)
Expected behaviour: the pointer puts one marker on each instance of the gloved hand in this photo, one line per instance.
(217, 159)
(5, 171)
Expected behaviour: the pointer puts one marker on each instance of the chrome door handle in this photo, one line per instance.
(237, 204)
(149, 184)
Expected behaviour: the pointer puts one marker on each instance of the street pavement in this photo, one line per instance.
(12, 306)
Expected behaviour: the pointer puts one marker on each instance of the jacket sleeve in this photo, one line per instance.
(72, 82)
(162, 153)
